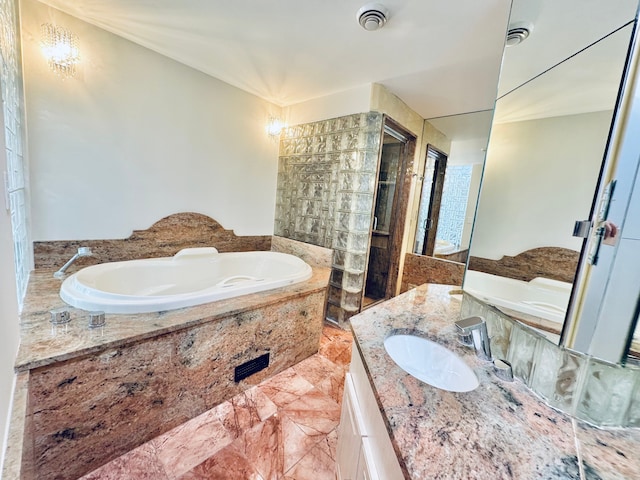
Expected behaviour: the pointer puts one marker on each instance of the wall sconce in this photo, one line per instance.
(60, 48)
(275, 126)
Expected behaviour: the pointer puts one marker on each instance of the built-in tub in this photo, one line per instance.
(192, 277)
(540, 297)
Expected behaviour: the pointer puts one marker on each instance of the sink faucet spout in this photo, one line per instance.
(476, 327)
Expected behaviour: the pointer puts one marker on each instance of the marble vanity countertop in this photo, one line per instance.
(501, 430)
(42, 343)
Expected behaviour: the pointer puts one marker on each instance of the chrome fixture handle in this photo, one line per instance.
(96, 319)
(60, 316)
(476, 327)
(82, 252)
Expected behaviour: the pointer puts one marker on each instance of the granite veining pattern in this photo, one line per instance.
(498, 431)
(419, 269)
(42, 344)
(549, 262)
(85, 411)
(259, 433)
(312, 254)
(163, 239)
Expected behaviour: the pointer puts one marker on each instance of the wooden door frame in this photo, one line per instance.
(400, 203)
(435, 198)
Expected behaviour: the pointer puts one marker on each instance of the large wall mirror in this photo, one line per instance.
(450, 185)
(557, 94)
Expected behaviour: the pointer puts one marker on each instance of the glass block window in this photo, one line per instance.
(453, 208)
(12, 111)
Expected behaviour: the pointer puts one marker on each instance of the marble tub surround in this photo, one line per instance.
(94, 394)
(500, 430)
(282, 428)
(15, 447)
(312, 254)
(548, 262)
(42, 343)
(588, 388)
(164, 238)
(419, 269)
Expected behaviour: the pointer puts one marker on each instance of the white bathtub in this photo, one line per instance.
(192, 277)
(542, 297)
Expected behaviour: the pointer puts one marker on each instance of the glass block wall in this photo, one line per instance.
(12, 111)
(453, 208)
(326, 183)
(585, 387)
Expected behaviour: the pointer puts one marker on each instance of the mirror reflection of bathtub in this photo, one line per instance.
(540, 303)
(444, 247)
(550, 130)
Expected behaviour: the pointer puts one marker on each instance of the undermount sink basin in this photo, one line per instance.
(430, 362)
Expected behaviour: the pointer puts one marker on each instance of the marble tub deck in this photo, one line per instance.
(131, 361)
(42, 343)
(501, 430)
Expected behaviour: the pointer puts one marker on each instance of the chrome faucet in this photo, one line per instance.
(473, 332)
(82, 252)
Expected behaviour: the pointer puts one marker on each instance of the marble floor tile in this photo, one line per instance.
(314, 412)
(245, 410)
(228, 464)
(285, 387)
(139, 464)
(189, 444)
(323, 375)
(316, 465)
(335, 345)
(283, 428)
(263, 446)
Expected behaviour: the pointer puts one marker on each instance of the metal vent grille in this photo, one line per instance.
(252, 366)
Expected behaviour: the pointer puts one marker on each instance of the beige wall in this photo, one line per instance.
(355, 100)
(539, 178)
(136, 136)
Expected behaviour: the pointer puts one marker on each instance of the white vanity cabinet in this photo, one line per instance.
(364, 449)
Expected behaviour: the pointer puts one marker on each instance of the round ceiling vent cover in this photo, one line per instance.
(517, 35)
(372, 16)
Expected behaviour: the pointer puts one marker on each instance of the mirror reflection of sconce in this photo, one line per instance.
(275, 127)
(60, 48)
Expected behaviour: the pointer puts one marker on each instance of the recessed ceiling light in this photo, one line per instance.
(372, 16)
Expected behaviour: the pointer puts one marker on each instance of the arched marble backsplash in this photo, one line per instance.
(163, 239)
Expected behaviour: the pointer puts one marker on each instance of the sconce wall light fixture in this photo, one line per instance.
(60, 48)
(275, 126)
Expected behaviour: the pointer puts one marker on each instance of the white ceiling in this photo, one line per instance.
(441, 57)
(586, 82)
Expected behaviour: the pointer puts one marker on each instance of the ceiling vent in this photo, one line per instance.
(517, 34)
(372, 16)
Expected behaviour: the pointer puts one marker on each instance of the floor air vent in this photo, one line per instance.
(252, 366)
